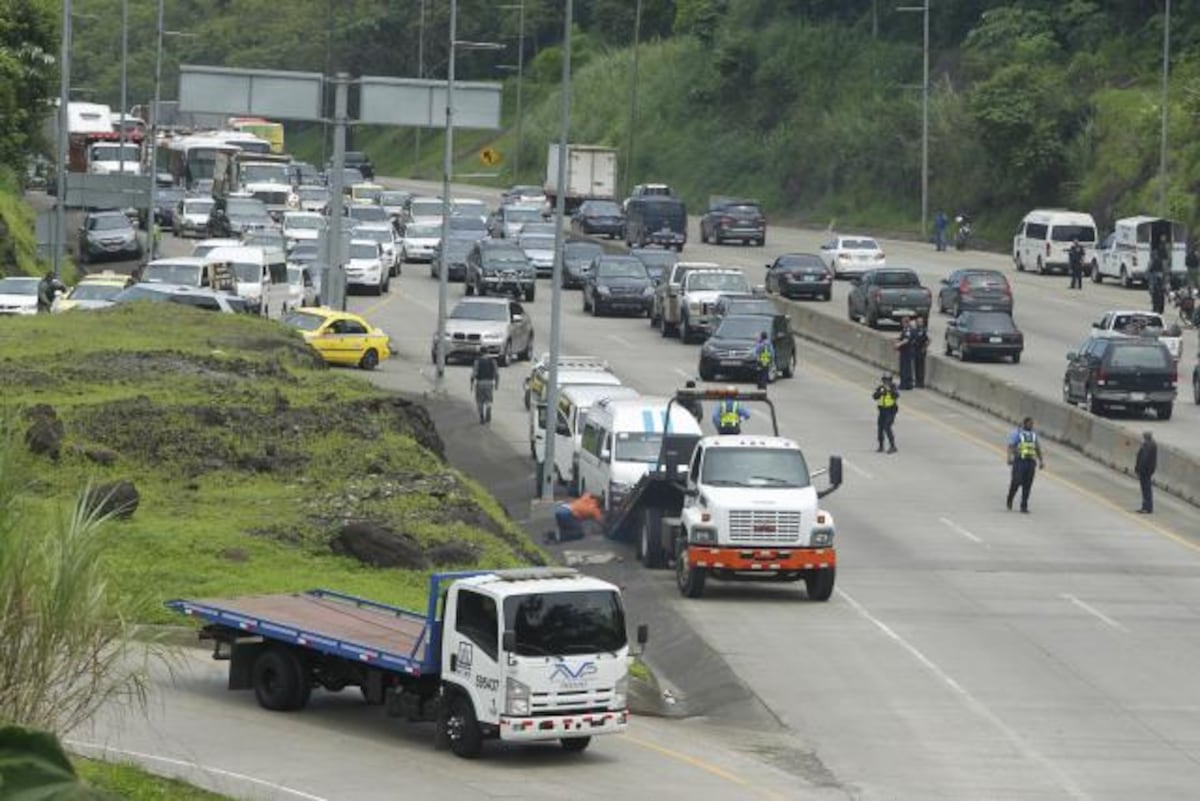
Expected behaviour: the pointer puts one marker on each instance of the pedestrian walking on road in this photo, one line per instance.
(1024, 457)
(1147, 463)
(485, 378)
(920, 346)
(887, 404)
(764, 359)
(569, 518)
(940, 222)
(1075, 261)
(904, 349)
(1192, 262)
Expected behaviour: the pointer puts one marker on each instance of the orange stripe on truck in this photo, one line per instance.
(761, 559)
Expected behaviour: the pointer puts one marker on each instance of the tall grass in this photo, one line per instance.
(66, 644)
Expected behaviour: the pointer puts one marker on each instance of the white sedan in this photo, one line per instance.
(420, 241)
(851, 256)
(385, 235)
(303, 226)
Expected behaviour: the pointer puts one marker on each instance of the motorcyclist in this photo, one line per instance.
(962, 233)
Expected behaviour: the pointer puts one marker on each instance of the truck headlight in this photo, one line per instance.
(822, 538)
(702, 535)
(516, 697)
(620, 696)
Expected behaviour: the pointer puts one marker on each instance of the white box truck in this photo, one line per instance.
(591, 174)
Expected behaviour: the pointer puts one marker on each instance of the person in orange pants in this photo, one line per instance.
(569, 518)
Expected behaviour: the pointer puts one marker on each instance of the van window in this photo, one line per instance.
(638, 446)
(1035, 230)
(278, 272)
(1140, 357)
(590, 438)
(1066, 233)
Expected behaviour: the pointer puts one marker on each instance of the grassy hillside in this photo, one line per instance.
(18, 242)
(249, 455)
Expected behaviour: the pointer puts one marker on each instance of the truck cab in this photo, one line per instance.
(665, 312)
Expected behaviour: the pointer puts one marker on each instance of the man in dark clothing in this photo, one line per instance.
(1075, 260)
(920, 346)
(887, 402)
(904, 348)
(1156, 275)
(1192, 262)
(1147, 463)
(48, 288)
(1024, 457)
(485, 377)
(939, 230)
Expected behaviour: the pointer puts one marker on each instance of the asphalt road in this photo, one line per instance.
(968, 653)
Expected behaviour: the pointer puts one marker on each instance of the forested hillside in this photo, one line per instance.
(812, 105)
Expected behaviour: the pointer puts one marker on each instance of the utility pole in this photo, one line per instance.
(328, 68)
(1166, 85)
(633, 96)
(124, 81)
(520, 87)
(447, 168)
(333, 284)
(560, 202)
(152, 243)
(924, 9)
(64, 98)
(421, 74)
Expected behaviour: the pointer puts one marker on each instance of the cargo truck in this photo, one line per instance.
(732, 507)
(521, 655)
(591, 175)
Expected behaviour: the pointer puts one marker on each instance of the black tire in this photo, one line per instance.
(280, 680)
(1196, 390)
(707, 373)
(369, 360)
(526, 355)
(650, 549)
(530, 294)
(819, 583)
(685, 333)
(1097, 278)
(1016, 357)
(461, 728)
(506, 354)
(690, 581)
(790, 370)
(1163, 410)
(964, 355)
(575, 744)
(468, 288)
(1089, 401)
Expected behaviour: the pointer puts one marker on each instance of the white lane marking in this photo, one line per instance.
(622, 341)
(1093, 611)
(684, 373)
(229, 774)
(957, 529)
(1060, 301)
(975, 705)
(854, 468)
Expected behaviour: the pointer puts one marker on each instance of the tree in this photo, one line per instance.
(28, 38)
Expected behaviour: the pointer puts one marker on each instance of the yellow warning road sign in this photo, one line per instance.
(490, 156)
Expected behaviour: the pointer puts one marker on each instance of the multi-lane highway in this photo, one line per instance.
(968, 653)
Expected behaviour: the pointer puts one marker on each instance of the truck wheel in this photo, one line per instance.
(461, 729)
(1097, 278)
(650, 548)
(280, 680)
(1163, 410)
(685, 332)
(530, 294)
(575, 744)
(790, 370)
(819, 583)
(689, 579)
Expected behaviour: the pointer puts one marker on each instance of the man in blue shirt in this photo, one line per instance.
(764, 359)
(1024, 457)
(728, 415)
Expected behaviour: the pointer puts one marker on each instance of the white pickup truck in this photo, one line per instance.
(1142, 324)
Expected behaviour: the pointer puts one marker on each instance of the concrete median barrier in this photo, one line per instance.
(1100, 439)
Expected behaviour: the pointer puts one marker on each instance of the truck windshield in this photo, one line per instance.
(561, 623)
(755, 467)
(265, 174)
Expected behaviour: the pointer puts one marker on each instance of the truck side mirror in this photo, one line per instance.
(691, 492)
(508, 642)
(835, 470)
(643, 634)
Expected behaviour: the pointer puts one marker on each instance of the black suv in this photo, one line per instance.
(733, 218)
(617, 284)
(499, 267)
(1132, 372)
(730, 350)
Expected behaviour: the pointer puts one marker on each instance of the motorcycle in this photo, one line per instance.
(962, 235)
(1187, 302)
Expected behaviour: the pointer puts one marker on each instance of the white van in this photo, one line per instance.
(620, 443)
(1125, 253)
(1045, 235)
(573, 404)
(537, 404)
(262, 277)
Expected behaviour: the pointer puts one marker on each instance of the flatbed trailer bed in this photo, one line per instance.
(387, 637)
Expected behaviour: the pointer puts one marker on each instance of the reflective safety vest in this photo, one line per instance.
(764, 356)
(729, 415)
(887, 400)
(1026, 445)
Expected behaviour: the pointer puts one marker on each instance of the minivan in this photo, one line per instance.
(1045, 235)
(587, 376)
(573, 404)
(620, 442)
(656, 220)
(262, 277)
(1133, 373)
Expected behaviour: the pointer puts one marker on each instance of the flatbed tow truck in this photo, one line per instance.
(525, 654)
(732, 507)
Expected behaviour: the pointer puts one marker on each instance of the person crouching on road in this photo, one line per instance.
(569, 518)
(1025, 457)
(728, 415)
(887, 401)
(764, 358)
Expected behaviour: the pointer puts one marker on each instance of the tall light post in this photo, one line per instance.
(924, 9)
(520, 8)
(547, 488)
(124, 81)
(64, 99)
(421, 74)
(637, 40)
(1166, 73)
(152, 241)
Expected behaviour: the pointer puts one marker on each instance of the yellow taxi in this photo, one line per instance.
(94, 291)
(340, 337)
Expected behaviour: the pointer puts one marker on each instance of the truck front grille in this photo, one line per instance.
(755, 527)
(585, 700)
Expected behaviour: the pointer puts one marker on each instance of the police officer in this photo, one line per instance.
(764, 358)
(920, 346)
(728, 415)
(1025, 457)
(904, 348)
(887, 400)
(1075, 261)
(1156, 274)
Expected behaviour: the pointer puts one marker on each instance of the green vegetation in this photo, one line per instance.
(18, 243)
(134, 784)
(249, 457)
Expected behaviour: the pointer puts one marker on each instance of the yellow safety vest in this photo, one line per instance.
(729, 415)
(1027, 445)
(764, 356)
(887, 400)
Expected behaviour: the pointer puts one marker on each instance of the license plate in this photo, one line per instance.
(1137, 396)
(903, 313)
(731, 363)
(995, 339)
(986, 308)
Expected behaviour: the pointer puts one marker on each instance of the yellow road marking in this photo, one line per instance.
(991, 446)
(701, 764)
(377, 305)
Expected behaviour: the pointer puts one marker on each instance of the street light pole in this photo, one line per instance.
(560, 200)
(124, 81)
(447, 167)
(152, 244)
(421, 74)
(1166, 73)
(64, 99)
(924, 9)
(520, 87)
(637, 39)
